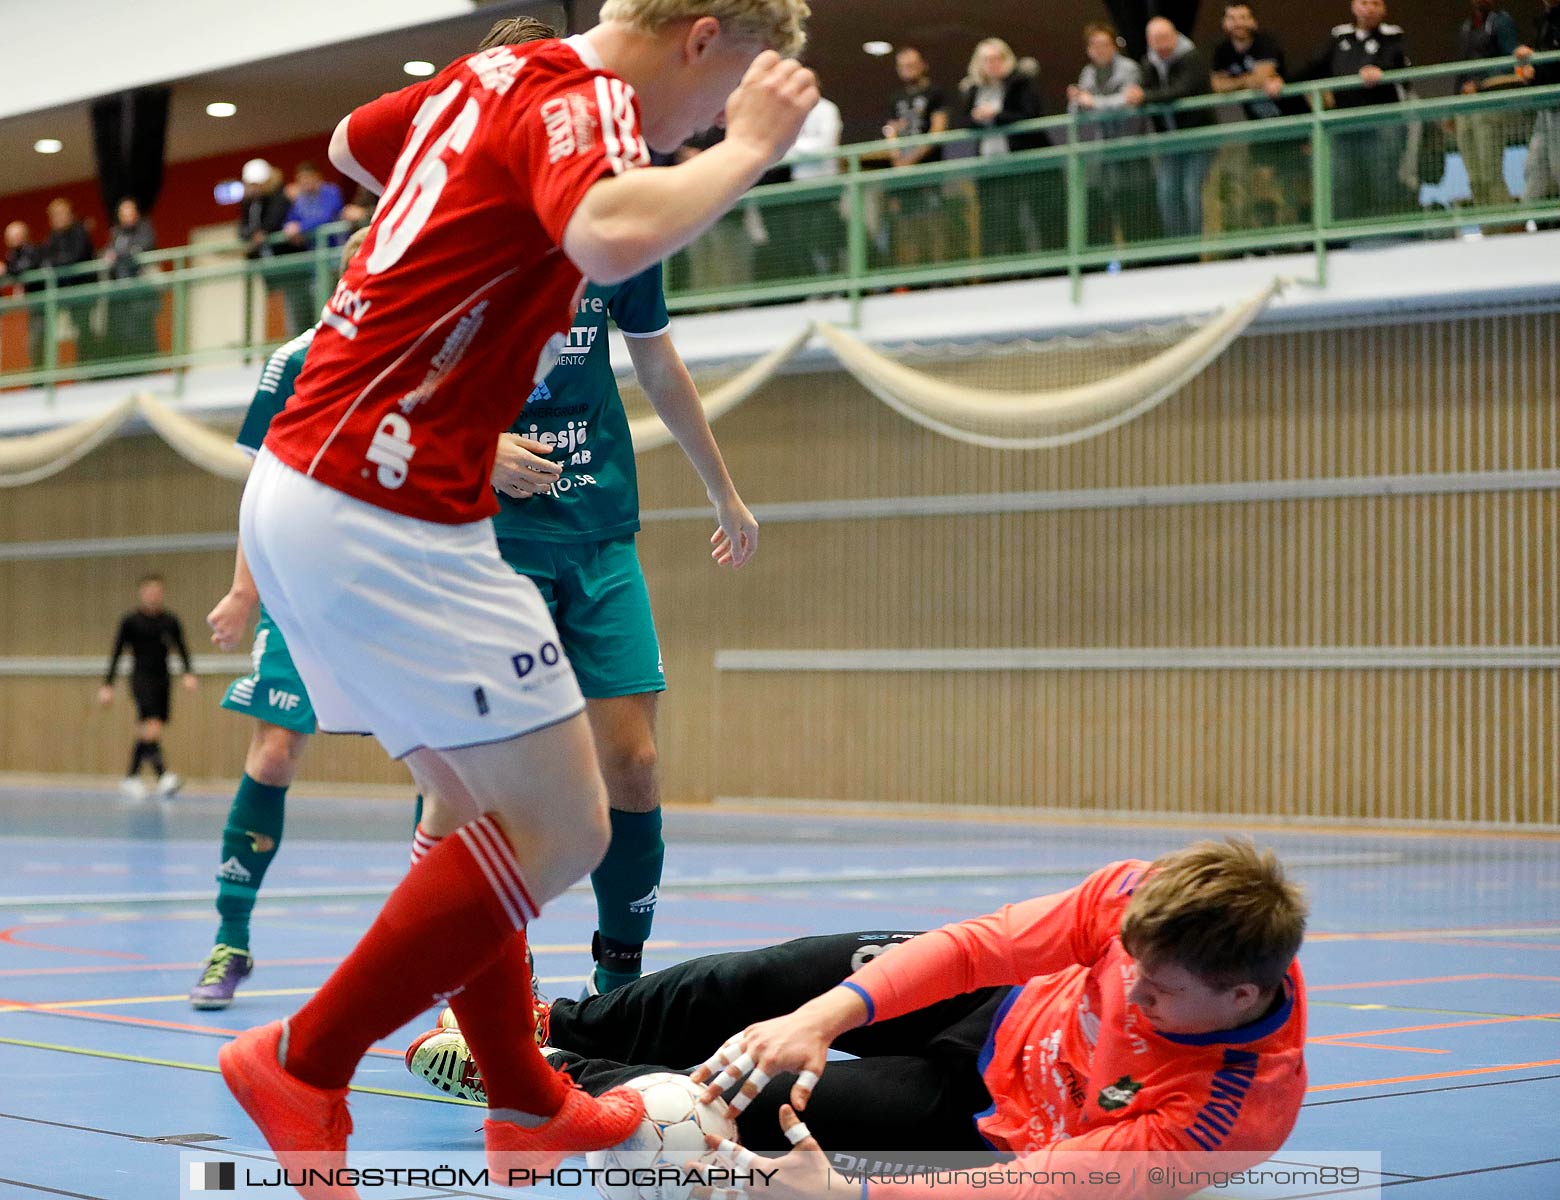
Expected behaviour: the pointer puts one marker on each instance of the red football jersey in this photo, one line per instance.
(459, 301)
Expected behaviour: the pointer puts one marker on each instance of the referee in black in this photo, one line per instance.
(150, 632)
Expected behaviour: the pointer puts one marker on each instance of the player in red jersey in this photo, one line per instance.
(507, 179)
(1155, 1008)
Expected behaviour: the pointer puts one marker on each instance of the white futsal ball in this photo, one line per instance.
(649, 1163)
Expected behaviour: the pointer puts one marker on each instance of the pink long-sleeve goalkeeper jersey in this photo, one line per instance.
(1070, 1064)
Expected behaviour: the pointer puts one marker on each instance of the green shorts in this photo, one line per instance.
(273, 691)
(597, 596)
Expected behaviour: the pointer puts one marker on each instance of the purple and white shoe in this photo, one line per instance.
(227, 967)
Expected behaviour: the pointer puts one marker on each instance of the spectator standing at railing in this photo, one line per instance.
(817, 223)
(1251, 59)
(69, 245)
(265, 207)
(260, 221)
(315, 203)
(1543, 162)
(1174, 69)
(1488, 32)
(998, 92)
(919, 227)
(132, 310)
(1367, 162)
(1121, 191)
(23, 255)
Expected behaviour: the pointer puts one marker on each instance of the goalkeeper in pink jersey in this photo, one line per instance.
(1154, 1007)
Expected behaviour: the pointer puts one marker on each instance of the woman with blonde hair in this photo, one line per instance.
(998, 91)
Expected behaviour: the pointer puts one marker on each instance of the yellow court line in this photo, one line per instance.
(210, 1070)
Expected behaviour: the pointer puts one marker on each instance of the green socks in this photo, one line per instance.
(627, 886)
(249, 842)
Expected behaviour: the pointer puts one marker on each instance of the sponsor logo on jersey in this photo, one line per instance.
(448, 357)
(570, 125)
(568, 483)
(345, 311)
(578, 345)
(571, 437)
(1119, 1094)
(234, 871)
(646, 903)
(392, 450)
(496, 69)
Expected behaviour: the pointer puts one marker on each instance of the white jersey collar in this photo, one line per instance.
(586, 51)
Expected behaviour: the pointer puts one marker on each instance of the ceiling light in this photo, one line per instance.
(48, 145)
(418, 67)
(221, 108)
(878, 49)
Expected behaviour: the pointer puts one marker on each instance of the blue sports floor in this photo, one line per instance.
(1434, 965)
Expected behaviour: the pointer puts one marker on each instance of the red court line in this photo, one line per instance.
(651, 947)
(1360, 1083)
(189, 966)
(8, 936)
(1370, 983)
(1374, 983)
(48, 1010)
(1374, 1046)
(1331, 1037)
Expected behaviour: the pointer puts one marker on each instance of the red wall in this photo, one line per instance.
(186, 201)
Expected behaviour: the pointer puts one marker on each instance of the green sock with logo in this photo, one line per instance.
(627, 886)
(249, 842)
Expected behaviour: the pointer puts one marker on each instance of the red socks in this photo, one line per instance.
(447, 921)
(516, 1074)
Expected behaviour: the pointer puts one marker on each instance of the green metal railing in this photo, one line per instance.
(1087, 200)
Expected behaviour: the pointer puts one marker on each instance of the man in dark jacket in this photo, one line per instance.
(1174, 69)
(133, 307)
(23, 255)
(1543, 163)
(1249, 58)
(68, 246)
(1368, 160)
(265, 206)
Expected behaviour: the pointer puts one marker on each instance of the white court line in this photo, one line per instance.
(900, 875)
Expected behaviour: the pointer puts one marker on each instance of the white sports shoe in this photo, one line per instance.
(168, 783)
(132, 789)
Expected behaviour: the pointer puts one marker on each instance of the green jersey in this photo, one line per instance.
(578, 411)
(274, 391)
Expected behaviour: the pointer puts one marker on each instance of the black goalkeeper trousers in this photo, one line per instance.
(913, 1085)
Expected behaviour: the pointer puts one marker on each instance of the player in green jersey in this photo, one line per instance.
(272, 693)
(570, 494)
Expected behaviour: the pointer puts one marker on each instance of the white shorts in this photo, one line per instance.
(413, 631)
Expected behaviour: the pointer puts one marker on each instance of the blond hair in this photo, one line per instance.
(1222, 910)
(778, 24)
(354, 244)
(977, 77)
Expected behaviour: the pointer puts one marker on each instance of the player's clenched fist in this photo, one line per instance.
(768, 108)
